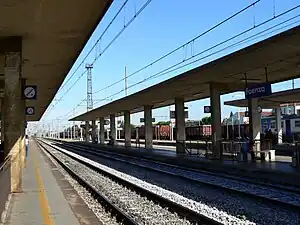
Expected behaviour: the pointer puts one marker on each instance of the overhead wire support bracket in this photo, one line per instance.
(266, 73)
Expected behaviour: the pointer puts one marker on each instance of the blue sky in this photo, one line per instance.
(161, 27)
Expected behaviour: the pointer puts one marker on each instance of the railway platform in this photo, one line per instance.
(163, 146)
(46, 197)
(255, 169)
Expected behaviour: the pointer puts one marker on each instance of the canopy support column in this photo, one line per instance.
(148, 126)
(127, 129)
(180, 125)
(216, 120)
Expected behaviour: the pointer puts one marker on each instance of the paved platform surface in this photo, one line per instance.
(161, 148)
(281, 167)
(47, 198)
(281, 163)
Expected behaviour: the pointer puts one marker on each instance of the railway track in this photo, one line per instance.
(263, 197)
(118, 185)
(278, 184)
(283, 195)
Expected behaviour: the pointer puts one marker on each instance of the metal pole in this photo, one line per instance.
(74, 125)
(126, 81)
(171, 125)
(52, 129)
(232, 121)
(227, 130)
(58, 129)
(293, 84)
(239, 123)
(98, 133)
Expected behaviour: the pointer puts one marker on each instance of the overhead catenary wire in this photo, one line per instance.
(164, 56)
(106, 48)
(95, 45)
(122, 30)
(166, 71)
(182, 46)
(229, 39)
(116, 36)
(207, 50)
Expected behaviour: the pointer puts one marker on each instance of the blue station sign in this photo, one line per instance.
(258, 91)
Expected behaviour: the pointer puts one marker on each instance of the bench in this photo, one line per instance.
(267, 155)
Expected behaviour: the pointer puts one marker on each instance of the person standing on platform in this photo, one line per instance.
(26, 145)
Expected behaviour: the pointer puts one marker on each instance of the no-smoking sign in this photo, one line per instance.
(30, 91)
(206, 109)
(29, 110)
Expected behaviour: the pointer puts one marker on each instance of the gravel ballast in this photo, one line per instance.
(138, 207)
(104, 216)
(200, 207)
(261, 212)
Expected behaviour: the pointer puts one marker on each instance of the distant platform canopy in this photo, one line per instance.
(271, 101)
(280, 54)
(50, 35)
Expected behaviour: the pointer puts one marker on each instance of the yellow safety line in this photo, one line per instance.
(44, 206)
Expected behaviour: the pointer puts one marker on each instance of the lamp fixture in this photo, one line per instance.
(251, 80)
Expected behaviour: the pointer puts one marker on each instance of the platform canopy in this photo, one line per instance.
(271, 101)
(280, 54)
(50, 35)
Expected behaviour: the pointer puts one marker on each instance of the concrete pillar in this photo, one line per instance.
(87, 129)
(2, 120)
(93, 130)
(22, 128)
(102, 136)
(216, 120)
(278, 125)
(148, 126)
(254, 123)
(127, 129)
(180, 125)
(113, 128)
(14, 117)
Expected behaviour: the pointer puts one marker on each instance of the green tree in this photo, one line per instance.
(206, 120)
(163, 123)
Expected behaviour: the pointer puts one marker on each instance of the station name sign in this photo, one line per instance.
(258, 91)
(173, 115)
(142, 120)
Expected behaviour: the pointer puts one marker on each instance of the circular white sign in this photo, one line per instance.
(29, 92)
(206, 109)
(30, 111)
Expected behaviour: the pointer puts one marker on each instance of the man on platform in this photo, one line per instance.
(26, 145)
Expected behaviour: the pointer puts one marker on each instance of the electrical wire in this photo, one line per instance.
(122, 30)
(164, 56)
(164, 72)
(181, 46)
(105, 49)
(90, 51)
